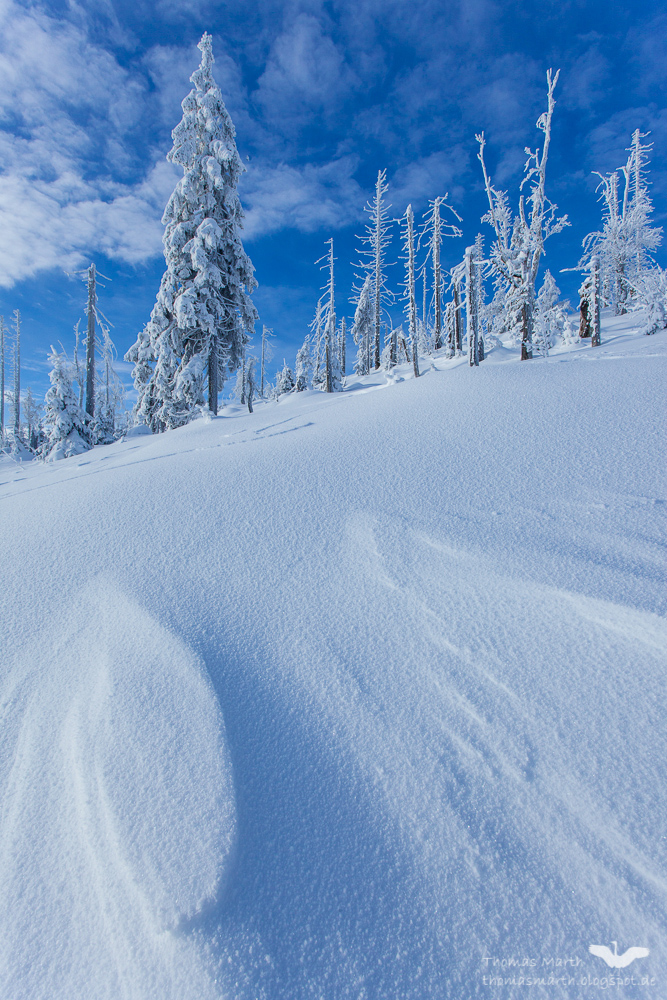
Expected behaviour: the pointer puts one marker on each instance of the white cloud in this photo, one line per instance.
(305, 71)
(64, 158)
(428, 177)
(307, 198)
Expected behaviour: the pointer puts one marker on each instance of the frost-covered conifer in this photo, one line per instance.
(550, 315)
(434, 230)
(304, 366)
(519, 243)
(373, 262)
(109, 394)
(285, 379)
(66, 430)
(203, 314)
(570, 334)
(363, 328)
(627, 240)
(319, 367)
(32, 411)
(653, 294)
(326, 317)
(396, 350)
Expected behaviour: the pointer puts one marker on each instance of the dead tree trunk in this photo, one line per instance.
(437, 277)
(90, 344)
(457, 318)
(595, 304)
(17, 376)
(410, 240)
(327, 352)
(471, 307)
(526, 330)
(343, 335)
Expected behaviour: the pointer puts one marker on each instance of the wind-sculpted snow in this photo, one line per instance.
(432, 614)
(117, 807)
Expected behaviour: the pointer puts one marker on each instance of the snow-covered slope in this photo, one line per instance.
(344, 697)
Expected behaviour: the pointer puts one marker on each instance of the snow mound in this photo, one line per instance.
(433, 616)
(117, 807)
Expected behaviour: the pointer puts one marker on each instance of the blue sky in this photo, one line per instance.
(322, 94)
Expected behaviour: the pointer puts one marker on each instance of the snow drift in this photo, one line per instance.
(431, 617)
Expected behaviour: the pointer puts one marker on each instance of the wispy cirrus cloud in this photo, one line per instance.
(306, 198)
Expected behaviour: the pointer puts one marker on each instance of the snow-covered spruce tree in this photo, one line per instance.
(304, 366)
(203, 313)
(627, 240)
(396, 350)
(550, 315)
(109, 394)
(652, 293)
(66, 425)
(363, 328)
(319, 367)
(373, 259)
(519, 244)
(285, 379)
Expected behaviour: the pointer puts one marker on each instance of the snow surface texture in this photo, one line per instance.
(433, 618)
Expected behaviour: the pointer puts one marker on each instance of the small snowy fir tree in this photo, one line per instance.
(550, 318)
(203, 314)
(304, 367)
(109, 394)
(363, 328)
(285, 379)
(570, 332)
(32, 411)
(66, 430)
(652, 291)
(396, 351)
(319, 366)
